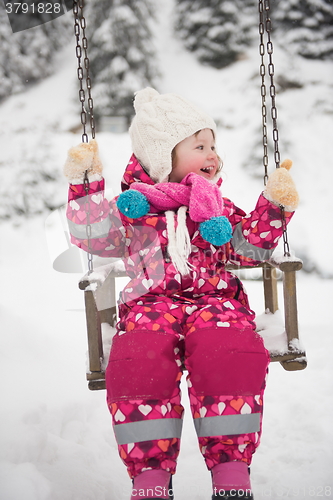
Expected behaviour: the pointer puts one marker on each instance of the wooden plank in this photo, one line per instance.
(290, 305)
(96, 385)
(295, 364)
(94, 318)
(291, 360)
(291, 319)
(288, 264)
(287, 356)
(95, 346)
(95, 375)
(291, 265)
(270, 288)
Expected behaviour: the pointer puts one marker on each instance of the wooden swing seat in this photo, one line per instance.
(100, 305)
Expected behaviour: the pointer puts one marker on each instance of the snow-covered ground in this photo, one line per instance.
(56, 436)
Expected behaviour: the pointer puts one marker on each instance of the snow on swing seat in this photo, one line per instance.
(271, 328)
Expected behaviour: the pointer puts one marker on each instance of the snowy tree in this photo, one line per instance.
(306, 26)
(120, 52)
(31, 181)
(218, 31)
(28, 56)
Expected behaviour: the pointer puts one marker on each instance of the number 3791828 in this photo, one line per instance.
(33, 8)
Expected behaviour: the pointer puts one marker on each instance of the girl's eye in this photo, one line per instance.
(200, 147)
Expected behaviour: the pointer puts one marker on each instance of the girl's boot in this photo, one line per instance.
(152, 484)
(231, 480)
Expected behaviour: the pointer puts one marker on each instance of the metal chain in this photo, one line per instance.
(265, 26)
(262, 72)
(82, 50)
(286, 248)
(82, 96)
(86, 184)
(87, 68)
(272, 89)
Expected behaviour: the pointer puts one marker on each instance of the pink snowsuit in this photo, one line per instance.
(202, 322)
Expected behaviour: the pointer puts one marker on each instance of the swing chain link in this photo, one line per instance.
(82, 50)
(265, 26)
(286, 248)
(86, 184)
(82, 96)
(272, 89)
(262, 71)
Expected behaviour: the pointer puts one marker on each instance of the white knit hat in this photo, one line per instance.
(160, 123)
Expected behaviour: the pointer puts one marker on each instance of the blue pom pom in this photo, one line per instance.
(216, 230)
(133, 204)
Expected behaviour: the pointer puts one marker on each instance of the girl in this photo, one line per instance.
(181, 309)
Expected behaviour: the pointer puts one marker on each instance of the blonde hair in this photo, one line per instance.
(173, 152)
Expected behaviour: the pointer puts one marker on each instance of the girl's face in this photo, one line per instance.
(195, 154)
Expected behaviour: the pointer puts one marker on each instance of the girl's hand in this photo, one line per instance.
(280, 188)
(81, 158)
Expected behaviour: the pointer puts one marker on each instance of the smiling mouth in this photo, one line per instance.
(207, 170)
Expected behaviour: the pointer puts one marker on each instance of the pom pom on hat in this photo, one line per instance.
(143, 96)
(216, 230)
(160, 123)
(133, 204)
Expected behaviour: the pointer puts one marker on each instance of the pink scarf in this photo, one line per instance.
(203, 199)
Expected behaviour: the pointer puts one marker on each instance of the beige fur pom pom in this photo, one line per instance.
(281, 189)
(81, 158)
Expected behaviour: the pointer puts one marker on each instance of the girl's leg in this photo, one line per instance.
(227, 367)
(143, 392)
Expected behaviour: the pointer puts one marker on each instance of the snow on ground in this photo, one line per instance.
(56, 437)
